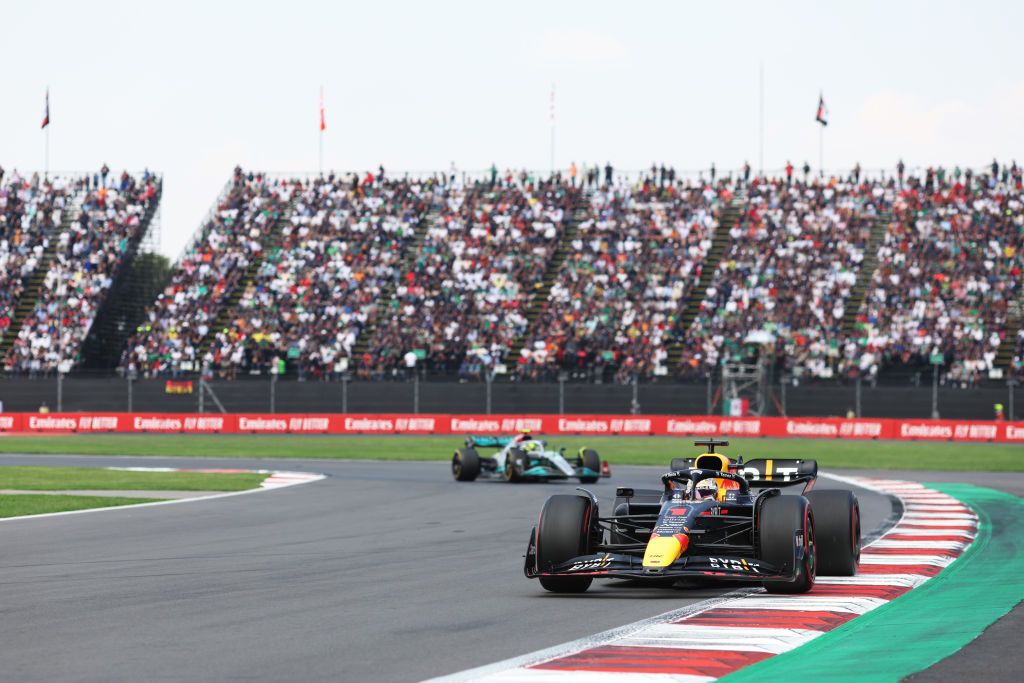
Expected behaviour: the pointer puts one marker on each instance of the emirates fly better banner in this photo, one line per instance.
(396, 423)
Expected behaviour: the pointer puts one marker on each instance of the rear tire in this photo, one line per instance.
(465, 464)
(562, 534)
(781, 519)
(837, 524)
(515, 464)
(592, 461)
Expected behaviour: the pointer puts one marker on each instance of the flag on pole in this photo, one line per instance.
(822, 116)
(323, 123)
(46, 115)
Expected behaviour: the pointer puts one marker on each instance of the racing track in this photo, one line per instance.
(383, 571)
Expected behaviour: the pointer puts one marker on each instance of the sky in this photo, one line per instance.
(190, 89)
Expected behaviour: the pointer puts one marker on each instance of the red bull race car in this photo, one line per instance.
(714, 517)
(525, 458)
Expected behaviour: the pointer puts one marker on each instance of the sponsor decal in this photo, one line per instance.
(473, 424)
(735, 565)
(925, 430)
(591, 565)
(741, 426)
(1014, 433)
(585, 425)
(262, 424)
(367, 424)
(861, 429)
(692, 426)
(415, 424)
(204, 424)
(801, 428)
(981, 432)
(157, 424)
(52, 422)
(308, 424)
(632, 426)
(6, 422)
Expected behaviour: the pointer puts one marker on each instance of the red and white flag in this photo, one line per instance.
(323, 122)
(46, 115)
(822, 116)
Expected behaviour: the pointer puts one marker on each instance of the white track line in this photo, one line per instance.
(274, 487)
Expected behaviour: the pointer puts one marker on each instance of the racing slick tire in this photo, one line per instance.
(592, 461)
(515, 464)
(837, 525)
(780, 521)
(563, 533)
(465, 464)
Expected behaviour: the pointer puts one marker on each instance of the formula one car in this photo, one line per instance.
(525, 458)
(707, 521)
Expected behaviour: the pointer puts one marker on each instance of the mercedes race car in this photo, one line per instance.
(713, 517)
(524, 458)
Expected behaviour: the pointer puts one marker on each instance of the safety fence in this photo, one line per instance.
(423, 424)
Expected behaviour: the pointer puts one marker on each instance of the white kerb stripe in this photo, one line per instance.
(773, 640)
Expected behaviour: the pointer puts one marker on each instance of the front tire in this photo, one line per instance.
(465, 464)
(562, 534)
(782, 520)
(592, 461)
(837, 524)
(515, 464)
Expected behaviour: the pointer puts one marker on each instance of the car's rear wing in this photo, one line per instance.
(489, 441)
(765, 472)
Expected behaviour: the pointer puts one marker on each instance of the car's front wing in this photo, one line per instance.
(621, 566)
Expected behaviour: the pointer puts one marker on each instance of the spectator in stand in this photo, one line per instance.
(617, 298)
(324, 281)
(88, 255)
(784, 279)
(31, 210)
(473, 275)
(179, 321)
(948, 270)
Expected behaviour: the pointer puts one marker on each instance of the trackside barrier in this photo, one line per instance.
(393, 423)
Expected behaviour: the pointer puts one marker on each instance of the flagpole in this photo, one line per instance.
(760, 159)
(552, 129)
(821, 150)
(46, 166)
(320, 163)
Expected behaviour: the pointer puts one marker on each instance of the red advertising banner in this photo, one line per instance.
(580, 425)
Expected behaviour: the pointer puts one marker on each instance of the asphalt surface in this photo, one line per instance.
(383, 571)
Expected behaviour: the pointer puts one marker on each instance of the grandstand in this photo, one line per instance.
(64, 242)
(652, 277)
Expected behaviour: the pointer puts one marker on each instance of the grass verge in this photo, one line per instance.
(86, 478)
(623, 450)
(38, 504)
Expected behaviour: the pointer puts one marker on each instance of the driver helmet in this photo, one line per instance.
(530, 446)
(705, 489)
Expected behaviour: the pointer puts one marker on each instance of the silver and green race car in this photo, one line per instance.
(525, 458)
